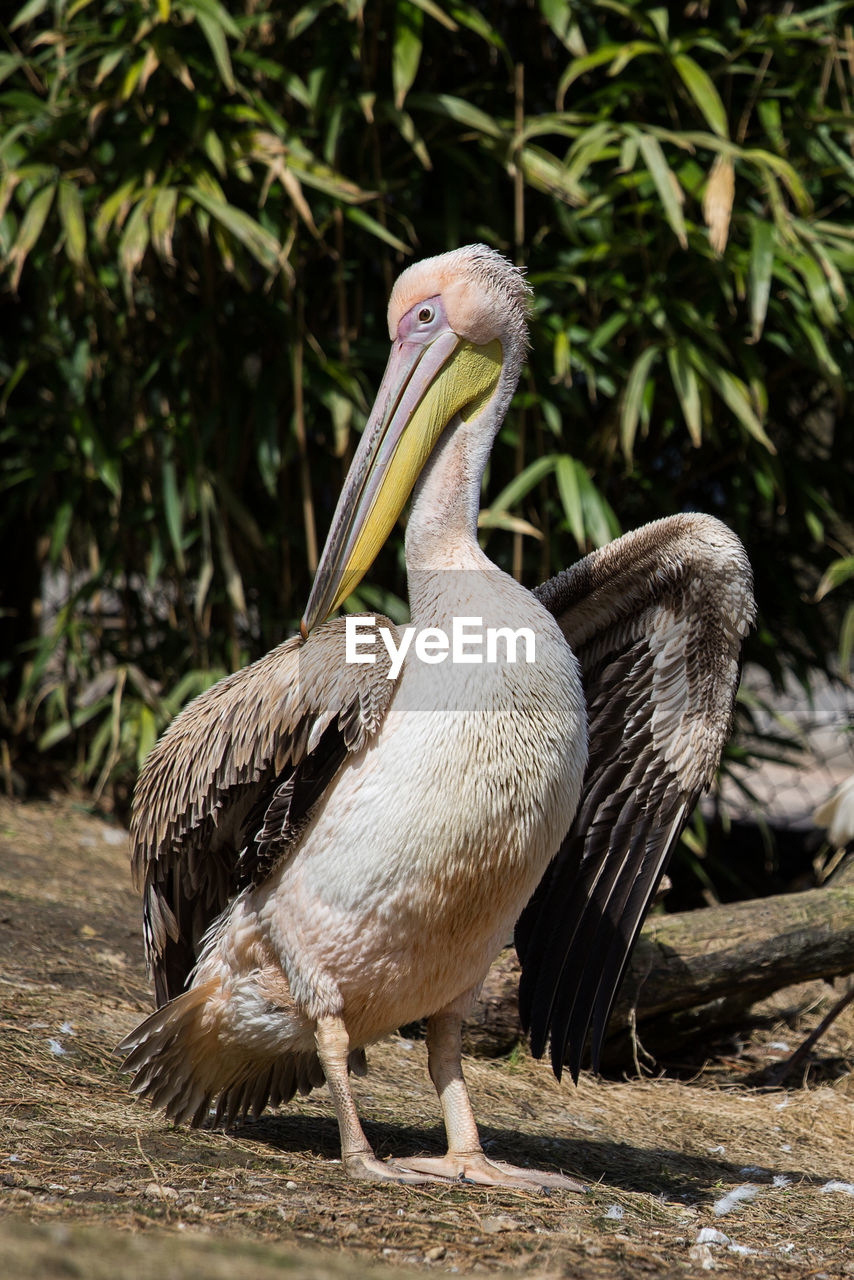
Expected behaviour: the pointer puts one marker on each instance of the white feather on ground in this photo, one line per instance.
(747, 1191)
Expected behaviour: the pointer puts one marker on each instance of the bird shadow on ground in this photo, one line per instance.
(619, 1166)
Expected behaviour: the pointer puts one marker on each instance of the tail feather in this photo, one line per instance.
(184, 1061)
(283, 1084)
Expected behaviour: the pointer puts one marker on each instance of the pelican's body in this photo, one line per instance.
(366, 936)
(329, 853)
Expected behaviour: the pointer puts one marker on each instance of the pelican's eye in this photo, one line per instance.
(422, 321)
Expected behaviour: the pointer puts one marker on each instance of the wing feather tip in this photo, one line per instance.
(617, 601)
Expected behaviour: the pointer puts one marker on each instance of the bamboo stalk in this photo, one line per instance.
(309, 524)
(519, 241)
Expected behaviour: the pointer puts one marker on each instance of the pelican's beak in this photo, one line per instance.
(425, 385)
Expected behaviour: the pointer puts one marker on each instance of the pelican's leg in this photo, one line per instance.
(357, 1157)
(465, 1157)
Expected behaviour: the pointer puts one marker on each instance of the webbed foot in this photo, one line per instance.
(475, 1167)
(365, 1166)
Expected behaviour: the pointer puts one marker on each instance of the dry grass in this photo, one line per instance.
(93, 1184)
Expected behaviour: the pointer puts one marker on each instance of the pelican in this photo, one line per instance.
(330, 848)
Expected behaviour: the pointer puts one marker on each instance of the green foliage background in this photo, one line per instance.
(203, 210)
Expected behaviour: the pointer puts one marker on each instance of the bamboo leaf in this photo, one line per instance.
(566, 474)
(818, 287)
(31, 227)
(215, 152)
(150, 63)
(114, 209)
(703, 92)
(666, 184)
(436, 12)
(523, 483)
(488, 519)
(815, 526)
(762, 246)
(542, 170)
(406, 51)
(558, 14)
(177, 68)
(291, 184)
(687, 388)
(108, 63)
(163, 221)
(600, 523)
(77, 7)
(60, 531)
(628, 52)
(445, 104)
(73, 221)
(846, 639)
(134, 241)
(233, 577)
(146, 735)
(174, 513)
(598, 58)
(375, 599)
(828, 266)
(147, 689)
(313, 173)
(633, 396)
(628, 153)
(562, 357)
(472, 17)
(131, 79)
(11, 381)
(608, 329)
(57, 732)
(304, 17)
(791, 179)
(834, 575)
(64, 728)
(406, 127)
(8, 182)
(561, 124)
(217, 13)
(263, 246)
(98, 749)
(734, 394)
(214, 32)
(718, 202)
(34, 9)
(367, 223)
(817, 341)
(595, 143)
(203, 585)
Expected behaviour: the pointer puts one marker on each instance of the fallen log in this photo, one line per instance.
(696, 971)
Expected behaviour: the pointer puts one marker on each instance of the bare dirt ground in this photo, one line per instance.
(715, 1172)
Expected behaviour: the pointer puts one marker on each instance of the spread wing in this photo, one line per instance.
(225, 794)
(656, 620)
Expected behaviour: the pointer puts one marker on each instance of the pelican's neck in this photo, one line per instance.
(442, 525)
(444, 562)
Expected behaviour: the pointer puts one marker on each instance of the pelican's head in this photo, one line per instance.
(458, 325)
